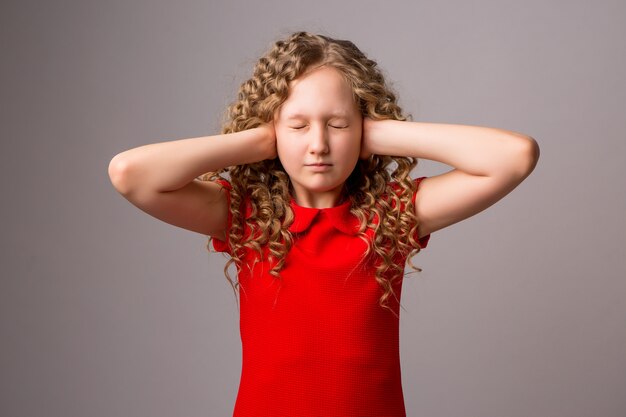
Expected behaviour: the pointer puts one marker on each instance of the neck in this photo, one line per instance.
(320, 200)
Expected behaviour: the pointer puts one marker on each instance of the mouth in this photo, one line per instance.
(319, 167)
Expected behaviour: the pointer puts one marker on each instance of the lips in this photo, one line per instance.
(319, 167)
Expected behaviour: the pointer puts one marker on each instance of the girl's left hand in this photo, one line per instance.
(377, 137)
(374, 136)
(366, 151)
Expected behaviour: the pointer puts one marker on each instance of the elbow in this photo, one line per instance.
(532, 154)
(527, 156)
(118, 174)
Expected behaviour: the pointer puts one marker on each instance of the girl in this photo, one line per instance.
(317, 223)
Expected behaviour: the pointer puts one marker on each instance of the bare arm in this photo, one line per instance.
(161, 178)
(488, 164)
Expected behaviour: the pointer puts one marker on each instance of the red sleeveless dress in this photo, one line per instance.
(318, 343)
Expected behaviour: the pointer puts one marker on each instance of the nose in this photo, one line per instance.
(318, 141)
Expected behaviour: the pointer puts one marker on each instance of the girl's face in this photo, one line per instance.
(319, 123)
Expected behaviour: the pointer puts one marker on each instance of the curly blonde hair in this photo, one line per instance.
(268, 185)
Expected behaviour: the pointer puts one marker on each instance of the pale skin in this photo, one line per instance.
(488, 163)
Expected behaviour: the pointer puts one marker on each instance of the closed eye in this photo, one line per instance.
(335, 127)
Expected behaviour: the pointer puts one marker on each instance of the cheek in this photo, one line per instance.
(287, 150)
(352, 145)
(281, 145)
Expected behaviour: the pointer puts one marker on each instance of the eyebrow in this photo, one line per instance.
(302, 116)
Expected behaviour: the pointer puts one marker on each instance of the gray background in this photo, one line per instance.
(106, 311)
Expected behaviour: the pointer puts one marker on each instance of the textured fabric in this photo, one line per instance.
(317, 343)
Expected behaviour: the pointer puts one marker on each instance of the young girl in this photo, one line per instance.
(316, 221)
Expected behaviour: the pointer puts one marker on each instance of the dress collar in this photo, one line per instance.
(339, 216)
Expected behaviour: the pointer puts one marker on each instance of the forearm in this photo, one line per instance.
(475, 150)
(168, 166)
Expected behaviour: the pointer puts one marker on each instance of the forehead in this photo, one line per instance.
(320, 92)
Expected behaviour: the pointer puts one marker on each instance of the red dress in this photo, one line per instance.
(318, 344)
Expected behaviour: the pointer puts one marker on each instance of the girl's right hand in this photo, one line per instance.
(269, 134)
